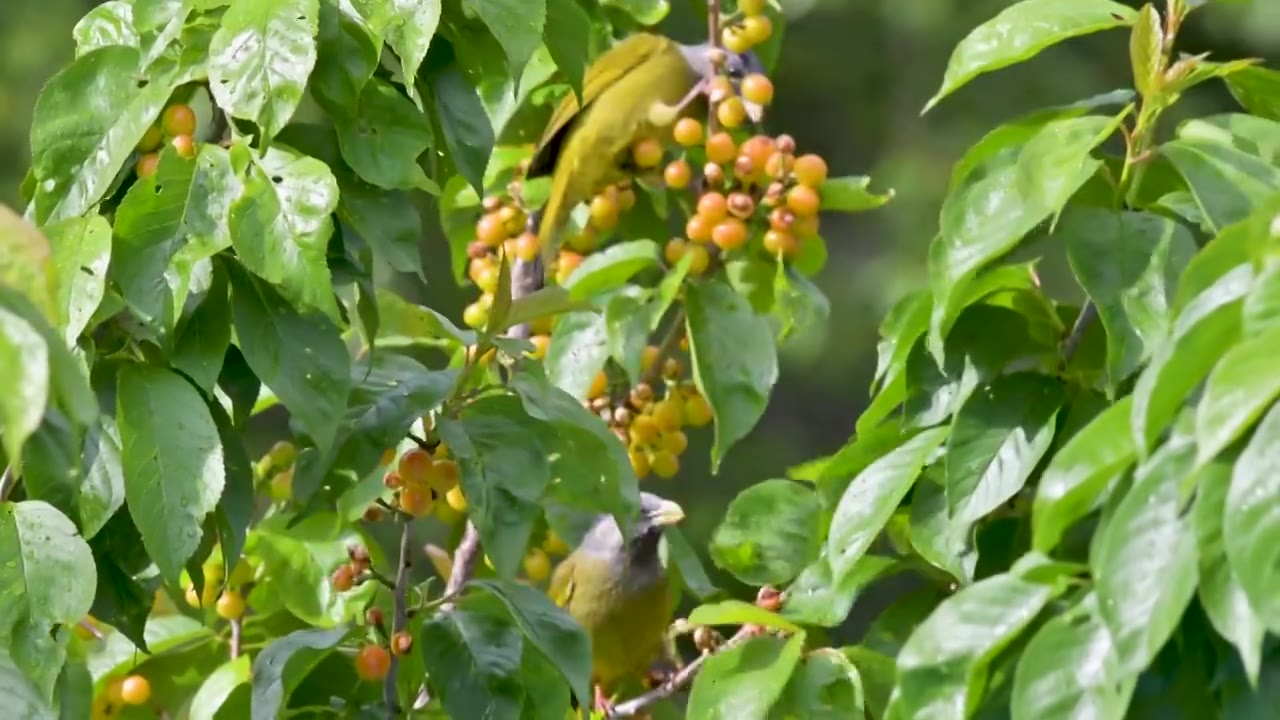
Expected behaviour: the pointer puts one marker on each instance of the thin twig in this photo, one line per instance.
(665, 348)
(679, 680)
(8, 481)
(1087, 315)
(236, 632)
(399, 619)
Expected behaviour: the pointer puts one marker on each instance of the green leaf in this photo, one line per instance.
(871, 498)
(81, 251)
(504, 471)
(850, 195)
(24, 366)
(985, 218)
(1144, 558)
(1202, 331)
(385, 136)
(567, 36)
(941, 538)
(68, 381)
(260, 59)
(1128, 263)
(28, 266)
(1254, 136)
(74, 692)
(997, 440)
(203, 336)
(816, 599)
(550, 629)
(1235, 250)
(769, 533)
(297, 561)
(1073, 484)
(1021, 31)
(472, 655)
(645, 12)
(467, 131)
(348, 49)
(54, 470)
(1239, 389)
(46, 567)
(824, 686)
(735, 361)
(280, 226)
(86, 123)
(111, 23)
(681, 557)
(117, 655)
(1146, 48)
(1257, 89)
(172, 460)
(235, 508)
(269, 666)
(1262, 304)
(578, 350)
(300, 357)
(119, 599)
(22, 699)
(404, 323)
(744, 681)
(1250, 526)
(943, 665)
(516, 24)
(612, 267)
(1069, 669)
(740, 612)
(217, 687)
(1227, 183)
(1220, 592)
(627, 318)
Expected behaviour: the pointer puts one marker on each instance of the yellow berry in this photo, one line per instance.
(687, 132)
(552, 544)
(757, 88)
(537, 566)
(675, 442)
(135, 690)
(151, 139)
(810, 170)
(697, 412)
(639, 461)
(664, 463)
(674, 250)
(751, 8)
(644, 430)
(230, 606)
(417, 500)
(677, 174)
(721, 148)
(456, 499)
(735, 40)
(415, 466)
(731, 112)
(701, 259)
(757, 29)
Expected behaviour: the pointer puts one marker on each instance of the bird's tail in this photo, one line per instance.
(550, 217)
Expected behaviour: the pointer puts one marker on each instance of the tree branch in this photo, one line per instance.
(680, 679)
(1087, 315)
(399, 619)
(237, 629)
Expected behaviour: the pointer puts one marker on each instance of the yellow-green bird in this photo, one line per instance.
(617, 589)
(585, 147)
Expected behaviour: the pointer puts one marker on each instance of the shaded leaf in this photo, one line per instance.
(824, 686)
(269, 666)
(739, 612)
(769, 533)
(744, 681)
(1251, 520)
(1227, 183)
(385, 136)
(467, 131)
(24, 367)
(81, 252)
(516, 24)
(578, 350)
(473, 657)
(816, 599)
(1258, 90)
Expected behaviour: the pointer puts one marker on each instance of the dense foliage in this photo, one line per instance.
(1080, 491)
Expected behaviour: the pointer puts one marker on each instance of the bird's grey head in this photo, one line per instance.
(656, 514)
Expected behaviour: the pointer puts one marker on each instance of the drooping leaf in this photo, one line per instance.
(743, 682)
(78, 473)
(268, 682)
(516, 24)
(825, 686)
(567, 35)
(1251, 524)
(769, 533)
(24, 374)
(1237, 392)
(385, 136)
(467, 131)
(81, 251)
(1227, 183)
(201, 338)
(347, 51)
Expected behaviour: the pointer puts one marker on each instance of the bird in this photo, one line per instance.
(584, 147)
(617, 589)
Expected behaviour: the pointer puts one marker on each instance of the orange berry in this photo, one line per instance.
(392, 480)
(779, 165)
(810, 170)
(445, 473)
(185, 145)
(730, 234)
(713, 206)
(756, 88)
(713, 174)
(674, 250)
(701, 259)
(805, 227)
(147, 164)
(677, 174)
(741, 205)
(687, 132)
(664, 463)
(675, 442)
(417, 500)
(569, 261)
(178, 119)
(135, 690)
(780, 242)
(343, 578)
(401, 643)
(604, 212)
(721, 148)
(415, 466)
(781, 219)
(803, 200)
(698, 229)
(639, 461)
(490, 230)
(731, 112)
(373, 662)
(373, 514)
(388, 456)
(151, 139)
(647, 153)
(599, 386)
(373, 616)
(230, 606)
(758, 148)
(648, 357)
(526, 248)
(757, 28)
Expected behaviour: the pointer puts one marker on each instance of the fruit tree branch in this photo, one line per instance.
(680, 679)
(399, 620)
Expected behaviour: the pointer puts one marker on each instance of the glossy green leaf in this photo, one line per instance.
(1021, 31)
(735, 361)
(1236, 250)
(567, 36)
(27, 265)
(24, 367)
(1262, 304)
(1227, 183)
(1146, 46)
(1220, 592)
(1128, 263)
(739, 612)
(81, 250)
(997, 440)
(297, 561)
(1252, 135)
(268, 680)
(941, 538)
(110, 23)
(612, 267)
(201, 338)
(1258, 90)
(172, 460)
(260, 59)
(1069, 669)
(217, 687)
(627, 318)
(769, 533)
(404, 323)
(347, 52)
(578, 350)
(1144, 558)
(943, 665)
(850, 195)
(86, 123)
(1073, 484)
(871, 498)
(468, 133)
(67, 379)
(516, 24)
(743, 682)
(54, 470)
(645, 12)
(1251, 524)
(74, 693)
(22, 698)
(542, 303)
(824, 686)
(1237, 392)
(382, 140)
(504, 471)
(816, 599)
(473, 657)
(280, 226)
(118, 654)
(1203, 330)
(300, 357)
(46, 567)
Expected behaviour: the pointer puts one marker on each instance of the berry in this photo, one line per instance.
(230, 606)
(415, 466)
(490, 230)
(803, 200)
(526, 248)
(721, 148)
(779, 165)
(757, 29)
(735, 40)
(810, 170)
(475, 315)
(599, 385)
(698, 229)
(281, 487)
(664, 464)
(741, 205)
(241, 573)
(417, 500)
(626, 199)
(585, 241)
(719, 89)
(672, 369)
(373, 514)
(135, 690)
(668, 414)
(185, 145)
(639, 461)
(401, 643)
(687, 132)
(648, 357)
(537, 566)
(491, 203)
(643, 430)
(781, 219)
(456, 500)
(486, 278)
(701, 259)
(713, 174)
(445, 475)
(696, 411)
(604, 212)
(568, 262)
(758, 148)
(343, 578)
(751, 8)
(677, 174)
(786, 144)
(540, 345)
(373, 662)
(512, 219)
(178, 119)
(713, 206)
(731, 113)
(647, 153)
(151, 139)
(674, 250)
(805, 227)
(780, 242)
(756, 88)
(392, 480)
(676, 442)
(730, 234)
(745, 169)
(146, 166)
(373, 616)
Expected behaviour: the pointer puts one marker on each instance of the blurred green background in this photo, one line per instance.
(853, 77)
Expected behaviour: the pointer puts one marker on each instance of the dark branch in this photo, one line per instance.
(680, 679)
(399, 620)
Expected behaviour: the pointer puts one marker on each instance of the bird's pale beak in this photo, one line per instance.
(754, 111)
(667, 513)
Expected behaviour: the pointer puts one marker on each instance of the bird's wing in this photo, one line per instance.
(560, 589)
(613, 64)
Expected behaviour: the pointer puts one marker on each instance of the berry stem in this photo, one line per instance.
(668, 346)
(400, 618)
(680, 679)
